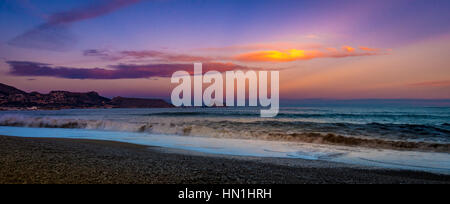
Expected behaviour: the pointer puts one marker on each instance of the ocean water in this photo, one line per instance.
(411, 137)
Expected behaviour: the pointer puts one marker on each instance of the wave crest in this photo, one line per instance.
(372, 135)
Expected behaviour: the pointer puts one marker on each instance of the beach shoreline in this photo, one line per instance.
(56, 160)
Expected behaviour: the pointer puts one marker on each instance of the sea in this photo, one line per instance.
(412, 136)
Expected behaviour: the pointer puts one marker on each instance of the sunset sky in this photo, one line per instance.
(340, 49)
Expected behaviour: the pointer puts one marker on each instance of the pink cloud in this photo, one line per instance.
(432, 83)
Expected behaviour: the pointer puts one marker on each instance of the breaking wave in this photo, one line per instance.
(373, 135)
(296, 115)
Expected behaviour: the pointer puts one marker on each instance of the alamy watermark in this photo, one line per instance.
(213, 94)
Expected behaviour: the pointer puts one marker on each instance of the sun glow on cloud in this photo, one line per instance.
(278, 56)
(368, 49)
(295, 54)
(348, 49)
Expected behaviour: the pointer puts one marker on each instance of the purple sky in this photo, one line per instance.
(324, 49)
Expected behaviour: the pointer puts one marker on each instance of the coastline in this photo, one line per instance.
(45, 160)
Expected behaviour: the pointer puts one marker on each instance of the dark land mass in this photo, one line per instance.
(40, 160)
(12, 98)
(139, 103)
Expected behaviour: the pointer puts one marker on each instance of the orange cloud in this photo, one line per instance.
(278, 56)
(348, 48)
(295, 55)
(264, 46)
(368, 49)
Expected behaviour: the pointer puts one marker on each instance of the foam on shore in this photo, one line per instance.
(393, 159)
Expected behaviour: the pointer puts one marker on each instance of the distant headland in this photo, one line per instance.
(12, 98)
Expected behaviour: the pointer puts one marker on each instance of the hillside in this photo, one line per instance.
(13, 98)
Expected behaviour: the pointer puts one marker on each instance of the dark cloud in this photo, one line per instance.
(54, 34)
(144, 54)
(47, 37)
(91, 11)
(103, 54)
(121, 71)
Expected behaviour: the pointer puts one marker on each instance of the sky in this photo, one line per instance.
(332, 49)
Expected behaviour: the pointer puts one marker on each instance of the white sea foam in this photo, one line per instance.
(351, 135)
(410, 160)
(367, 135)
